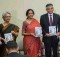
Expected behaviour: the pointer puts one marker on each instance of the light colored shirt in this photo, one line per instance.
(12, 51)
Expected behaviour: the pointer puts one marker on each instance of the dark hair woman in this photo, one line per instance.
(32, 45)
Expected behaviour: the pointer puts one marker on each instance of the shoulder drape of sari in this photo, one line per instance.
(31, 44)
(4, 30)
(8, 29)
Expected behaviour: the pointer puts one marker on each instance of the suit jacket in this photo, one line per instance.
(14, 54)
(44, 21)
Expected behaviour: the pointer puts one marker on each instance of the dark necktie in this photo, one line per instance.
(51, 20)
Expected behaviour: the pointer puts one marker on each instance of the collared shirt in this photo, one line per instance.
(12, 51)
(51, 16)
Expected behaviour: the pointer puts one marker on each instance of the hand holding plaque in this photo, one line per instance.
(8, 37)
(38, 31)
(52, 30)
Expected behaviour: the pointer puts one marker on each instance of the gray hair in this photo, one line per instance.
(4, 15)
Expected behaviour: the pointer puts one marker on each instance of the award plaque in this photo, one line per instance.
(52, 30)
(8, 37)
(38, 31)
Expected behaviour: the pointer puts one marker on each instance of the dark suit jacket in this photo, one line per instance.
(14, 54)
(44, 21)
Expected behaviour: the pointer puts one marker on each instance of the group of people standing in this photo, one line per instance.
(32, 45)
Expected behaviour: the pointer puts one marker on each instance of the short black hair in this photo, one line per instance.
(49, 5)
(28, 11)
(11, 44)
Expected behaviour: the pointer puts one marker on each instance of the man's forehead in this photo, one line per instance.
(50, 6)
(8, 15)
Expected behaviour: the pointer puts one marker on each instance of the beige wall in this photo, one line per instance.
(19, 7)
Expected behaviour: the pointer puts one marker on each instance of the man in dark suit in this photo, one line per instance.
(47, 20)
(12, 50)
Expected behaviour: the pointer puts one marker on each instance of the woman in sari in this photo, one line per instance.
(6, 27)
(31, 44)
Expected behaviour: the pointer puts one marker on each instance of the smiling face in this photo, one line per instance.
(50, 9)
(7, 17)
(30, 14)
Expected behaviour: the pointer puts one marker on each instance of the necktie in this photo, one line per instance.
(51, 20)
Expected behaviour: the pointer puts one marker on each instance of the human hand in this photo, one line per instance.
(32, 34)
(12, 32)
(47, 34)
(58, 33)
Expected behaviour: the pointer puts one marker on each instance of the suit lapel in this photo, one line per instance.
(53, 19)
(47, 19)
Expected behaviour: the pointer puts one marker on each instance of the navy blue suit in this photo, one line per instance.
(51, 41)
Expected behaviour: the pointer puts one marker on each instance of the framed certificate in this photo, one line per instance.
(38, 31)
(52, 30)
(8, 37)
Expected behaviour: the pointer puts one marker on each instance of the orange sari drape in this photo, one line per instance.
(32, 45)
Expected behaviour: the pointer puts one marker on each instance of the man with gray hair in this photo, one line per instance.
(50, 23)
